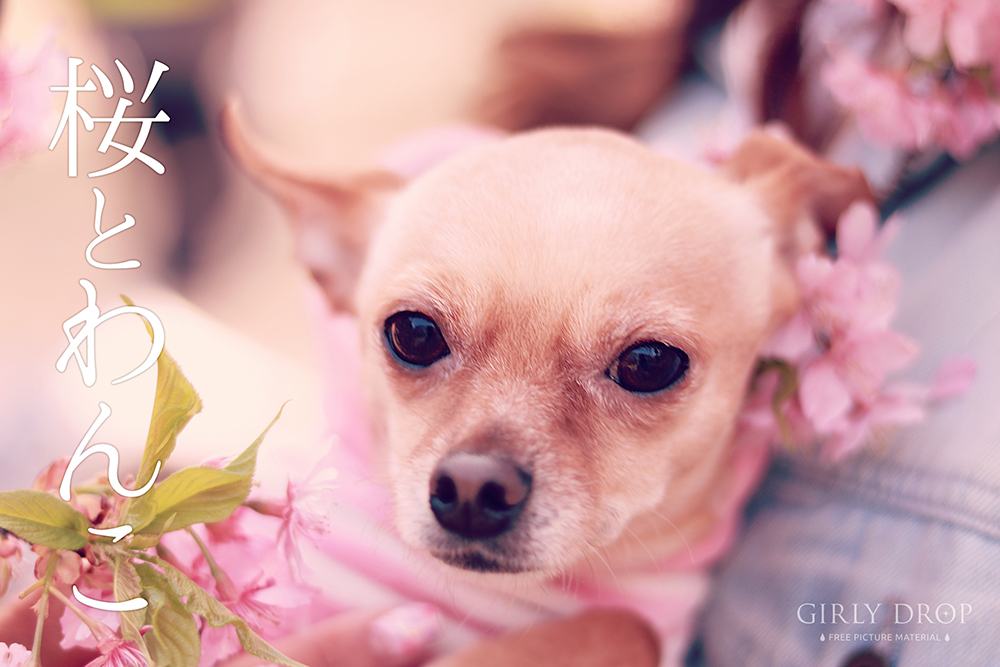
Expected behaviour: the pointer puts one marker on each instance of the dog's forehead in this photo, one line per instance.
(584, 217)
(588, 181)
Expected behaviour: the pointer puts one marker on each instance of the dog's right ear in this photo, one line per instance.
(804, 195)
(333, 218)
(794, 182)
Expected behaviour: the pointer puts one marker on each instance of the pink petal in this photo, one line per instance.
(122, 654)
(10, 546)
(923, 33)
(286, 596)
(973, 33)
(14, 655)
(856, 231)
(823, 395)
(866, 361)
(886, 111)
(953, 378)
(51, 477)
(899, 405)
(813, 273)
(887, 233)
(217, 644)
(69, 564)
(965, 117)
(76, 633)
(793, 340)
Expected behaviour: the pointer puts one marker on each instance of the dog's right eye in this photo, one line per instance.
(415, 339)
(648, 367)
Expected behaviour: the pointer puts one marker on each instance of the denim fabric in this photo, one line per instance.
(913, 521)
(876, 535)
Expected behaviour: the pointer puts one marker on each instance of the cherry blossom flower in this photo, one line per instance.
(921, 77)
(304, 515)
(261, 602)
(120, 654)
(14, 655)
(239, 564)
(69, 566)
(50, 479)
(839, 351)
(80, 629)
(221, 643)
(51, 476)
(896, 108)
(969, 28)
(76, 633)
(115, 651)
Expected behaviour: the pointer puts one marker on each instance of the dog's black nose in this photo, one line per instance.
(477, 496)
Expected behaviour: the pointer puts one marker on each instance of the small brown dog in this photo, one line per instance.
(558, 331)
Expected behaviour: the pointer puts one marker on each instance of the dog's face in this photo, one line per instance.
(557, 333)
(572, 318)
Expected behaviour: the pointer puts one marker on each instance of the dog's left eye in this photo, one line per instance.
(415, 339)
(648, 367)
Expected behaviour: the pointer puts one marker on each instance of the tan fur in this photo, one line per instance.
(541, 258)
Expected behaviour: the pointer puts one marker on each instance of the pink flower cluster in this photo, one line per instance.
(257, 568)
(251, 562)
(245, 573)
(925, 75)
(831, 362)
(969, 29)
(115, 652)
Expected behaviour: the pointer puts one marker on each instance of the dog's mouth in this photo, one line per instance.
(476, 561)
(506, 554)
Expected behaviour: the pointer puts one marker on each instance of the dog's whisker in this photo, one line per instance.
(375, 526)
(596, 550)
(652, 559)
(680, 533)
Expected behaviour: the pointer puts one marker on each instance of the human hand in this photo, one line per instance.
(597, 638)
(397, 637)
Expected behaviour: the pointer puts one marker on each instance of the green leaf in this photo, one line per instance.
(128, 587)
(143, 542)
(174, 404)
(218, 615)
(246, 463)
(141, 511)
(788, 385)
(196, 495)
(41, 518)
(172, 639)
(201, 494)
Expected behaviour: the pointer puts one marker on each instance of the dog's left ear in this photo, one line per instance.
(804, 195)
(333, 219)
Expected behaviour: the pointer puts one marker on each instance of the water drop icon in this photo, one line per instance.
(822, 637)
(947, 637)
